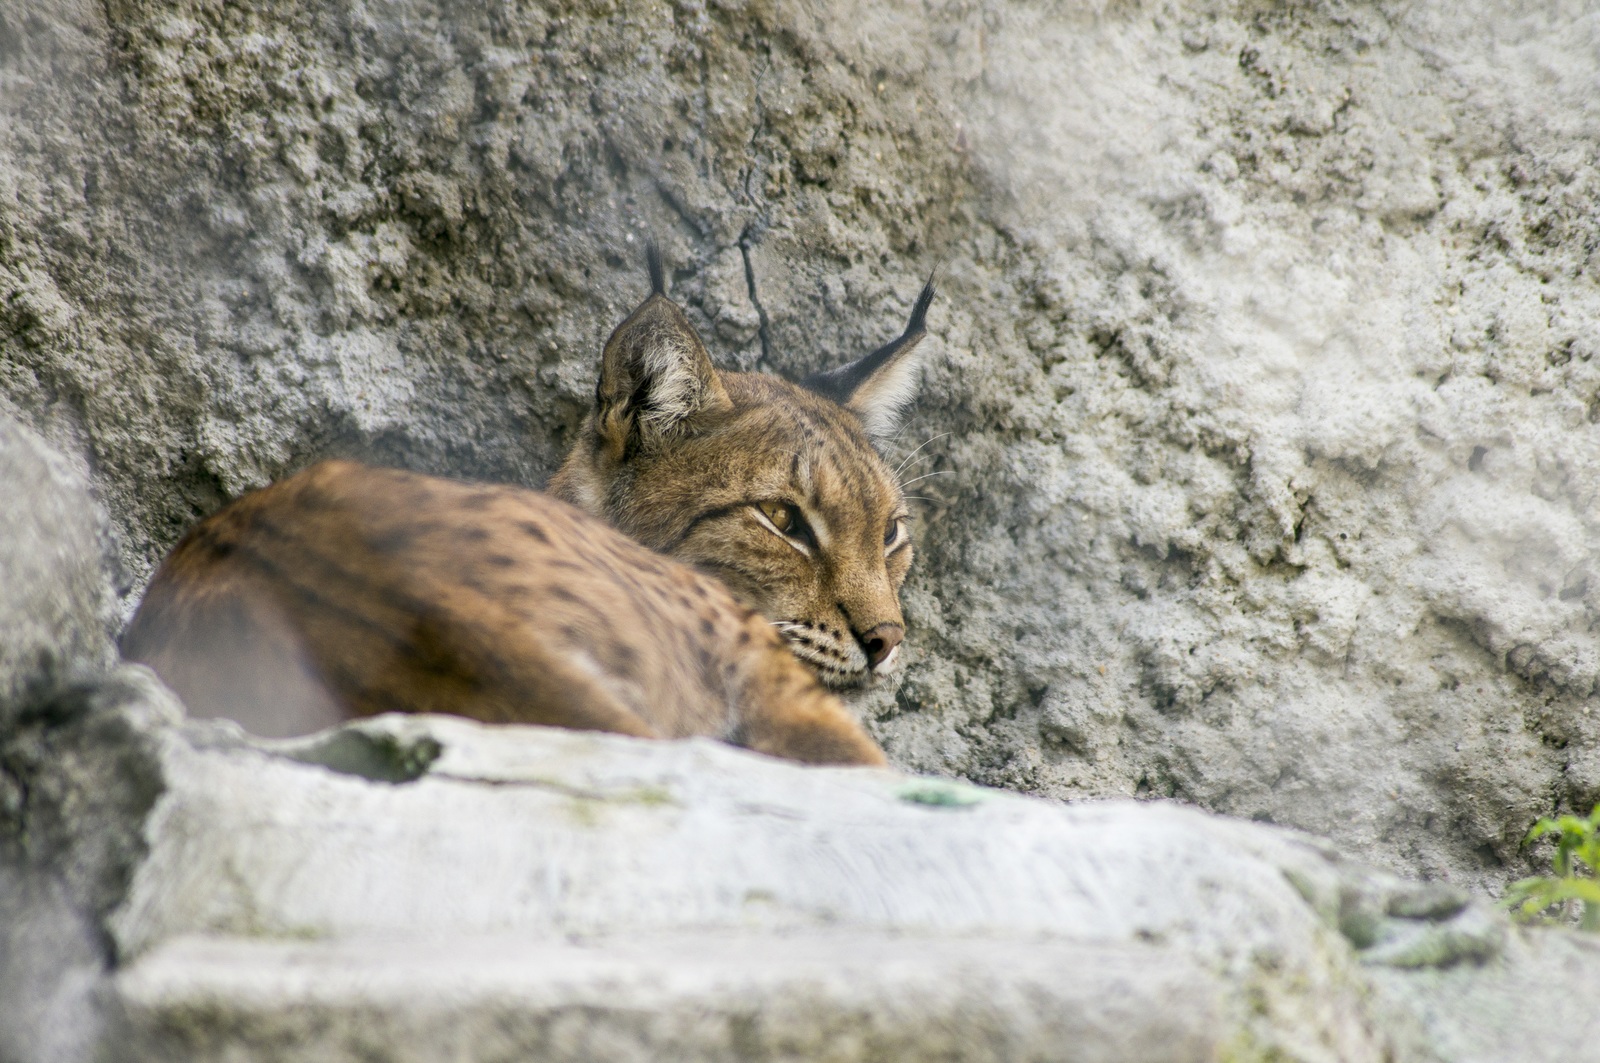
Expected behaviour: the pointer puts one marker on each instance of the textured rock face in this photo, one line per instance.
(56, 604)
(56, 618)
(537, 893)
(415, 888)
(1260, 409)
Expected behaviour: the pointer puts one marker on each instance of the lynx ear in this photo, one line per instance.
(879, 386)
(655, 375)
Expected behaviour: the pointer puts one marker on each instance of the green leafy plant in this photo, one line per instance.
(1576, 859)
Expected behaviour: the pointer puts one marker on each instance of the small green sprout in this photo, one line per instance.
(1576, 859)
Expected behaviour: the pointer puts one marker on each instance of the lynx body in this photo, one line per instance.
(755, 507)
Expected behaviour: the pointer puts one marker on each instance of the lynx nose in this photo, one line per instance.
(881, 643)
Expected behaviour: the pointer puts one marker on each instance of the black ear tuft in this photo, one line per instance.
(878, 386)
(652, 260)
(919, 313)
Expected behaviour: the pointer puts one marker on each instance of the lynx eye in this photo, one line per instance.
(781, 514)
(892, 532)
(786, 518)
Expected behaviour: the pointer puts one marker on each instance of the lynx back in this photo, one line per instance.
(709, 512)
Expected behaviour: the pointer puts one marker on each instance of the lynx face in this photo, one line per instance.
(775, 488)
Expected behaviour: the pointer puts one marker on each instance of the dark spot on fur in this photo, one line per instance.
(707, 628)
(530, 528)
(434, 650)
(393, 540)
(744, 637)
(472, 535)
(312, 497)
(501, 560)
(625, 660)
(478, 500)
(561, 594)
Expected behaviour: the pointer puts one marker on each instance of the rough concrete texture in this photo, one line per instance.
(426, 887)
(687, 997)
(1260, 410)
(1535, 1002)
(623, 899)
(79, 775)
(57, 609)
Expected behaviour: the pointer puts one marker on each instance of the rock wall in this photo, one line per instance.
(1260, 411)
(57, 618)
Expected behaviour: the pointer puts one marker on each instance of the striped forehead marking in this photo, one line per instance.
(835, 452)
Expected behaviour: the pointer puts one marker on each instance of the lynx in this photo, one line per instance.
(708, 533)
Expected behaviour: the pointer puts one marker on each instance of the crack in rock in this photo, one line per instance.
(765, 331)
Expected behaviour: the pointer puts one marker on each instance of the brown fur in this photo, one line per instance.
(348, 590)
(687, 490)
(390, 590)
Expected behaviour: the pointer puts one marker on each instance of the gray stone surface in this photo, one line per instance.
(418, 888)
(531, 893)
(735, 997)
(57, 610)
(594, 896)
(78, 777)
(51, 968)
(1261, 406)
(1534, 1003)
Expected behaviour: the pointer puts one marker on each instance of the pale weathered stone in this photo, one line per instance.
(449, 889)
(707, 996)
(78, 776)
(585, 894)
(56, 601)
(415, 888)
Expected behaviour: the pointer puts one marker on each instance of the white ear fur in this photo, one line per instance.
(881, 399)
(877, 388)
(673, 382)
(654, 373)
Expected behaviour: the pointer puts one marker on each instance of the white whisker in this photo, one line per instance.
(913, 454)
(926, 475)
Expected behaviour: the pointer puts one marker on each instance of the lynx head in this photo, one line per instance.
(775, 488)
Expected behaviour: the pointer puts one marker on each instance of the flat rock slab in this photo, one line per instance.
(555, 832)
(814, 995)
(432, 888)
(429, 888)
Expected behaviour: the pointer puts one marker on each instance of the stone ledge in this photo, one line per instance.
(815, 995)
(512, 876)
(426, 887)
